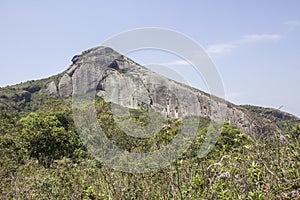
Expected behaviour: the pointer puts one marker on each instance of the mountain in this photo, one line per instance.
(121, 81)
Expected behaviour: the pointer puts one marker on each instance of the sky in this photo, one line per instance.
(255, 45)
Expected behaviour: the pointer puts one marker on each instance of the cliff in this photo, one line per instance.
(119, 80)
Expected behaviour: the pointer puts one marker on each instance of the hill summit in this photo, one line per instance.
(119, 80)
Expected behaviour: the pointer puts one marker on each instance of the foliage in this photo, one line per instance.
(272, 116)
(48, 135)
(42, 157)
(26, 97)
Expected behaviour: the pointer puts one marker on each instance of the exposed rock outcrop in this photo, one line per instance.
(103, 72)
(65, 86)
(119, 80)
(51, 88)
(33, 89)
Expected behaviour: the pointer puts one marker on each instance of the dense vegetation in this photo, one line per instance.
(42, 157)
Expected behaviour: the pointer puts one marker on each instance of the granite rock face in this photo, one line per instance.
(51, 88)
(65, 86)
(119, 80)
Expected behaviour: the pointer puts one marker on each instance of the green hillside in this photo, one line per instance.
(25, 97)
(43, 157)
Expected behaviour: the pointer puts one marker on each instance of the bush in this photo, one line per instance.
(48, 138)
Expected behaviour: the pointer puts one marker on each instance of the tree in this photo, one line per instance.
(47, 138)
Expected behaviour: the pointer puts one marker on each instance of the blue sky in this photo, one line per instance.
(254, 44)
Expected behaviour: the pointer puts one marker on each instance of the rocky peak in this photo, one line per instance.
(120, 80)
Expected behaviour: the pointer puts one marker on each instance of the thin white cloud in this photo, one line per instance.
(178, 62)
(220, 48)
(223, 48)
(261, 37)
(292, 24)
(175, 62)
